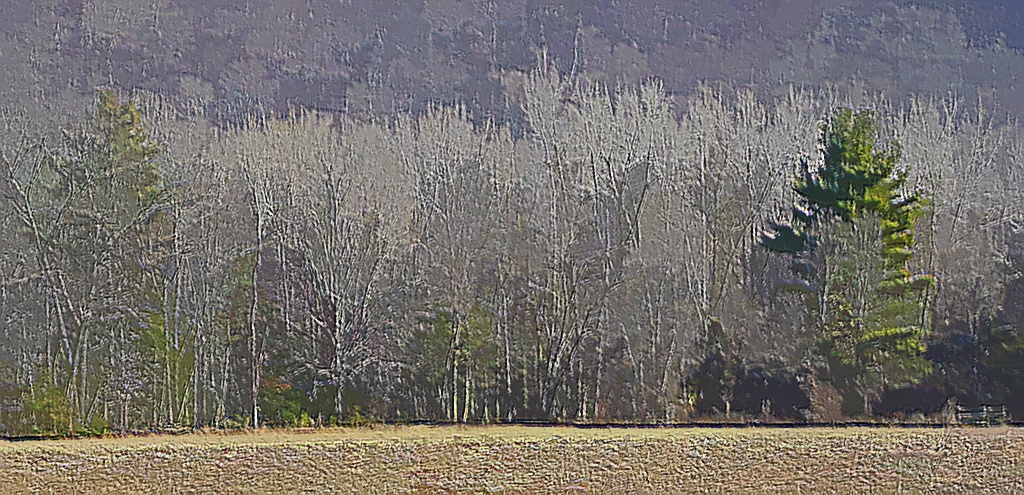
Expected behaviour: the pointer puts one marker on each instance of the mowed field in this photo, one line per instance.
(481, 459)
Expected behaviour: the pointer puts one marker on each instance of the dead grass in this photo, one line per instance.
(526, 459)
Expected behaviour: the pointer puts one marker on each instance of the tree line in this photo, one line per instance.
(627, 258)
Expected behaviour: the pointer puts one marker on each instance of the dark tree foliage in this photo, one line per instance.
(709, 389)
(772, 392)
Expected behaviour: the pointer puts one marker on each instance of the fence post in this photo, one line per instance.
(949, 412)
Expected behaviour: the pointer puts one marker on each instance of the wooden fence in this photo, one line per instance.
(982, 416)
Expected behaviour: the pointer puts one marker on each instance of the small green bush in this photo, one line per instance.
(48, 408)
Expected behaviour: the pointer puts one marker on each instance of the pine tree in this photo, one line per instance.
(851, 239)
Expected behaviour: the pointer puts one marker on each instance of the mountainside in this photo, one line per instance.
(359, 55)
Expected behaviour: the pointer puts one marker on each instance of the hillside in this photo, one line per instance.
(359, 55)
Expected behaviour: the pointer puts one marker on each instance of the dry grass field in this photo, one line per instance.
(521, 459)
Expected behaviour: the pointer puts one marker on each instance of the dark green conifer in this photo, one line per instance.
(852, 238)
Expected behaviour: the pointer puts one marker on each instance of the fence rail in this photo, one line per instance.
(982, 416)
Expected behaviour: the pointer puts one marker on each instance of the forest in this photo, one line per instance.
(623, 256)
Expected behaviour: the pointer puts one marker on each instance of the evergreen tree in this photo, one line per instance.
(852, 238)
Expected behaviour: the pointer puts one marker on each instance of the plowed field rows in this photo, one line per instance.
(527, 459)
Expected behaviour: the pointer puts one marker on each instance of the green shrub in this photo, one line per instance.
(281, 404)
(48, 408)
